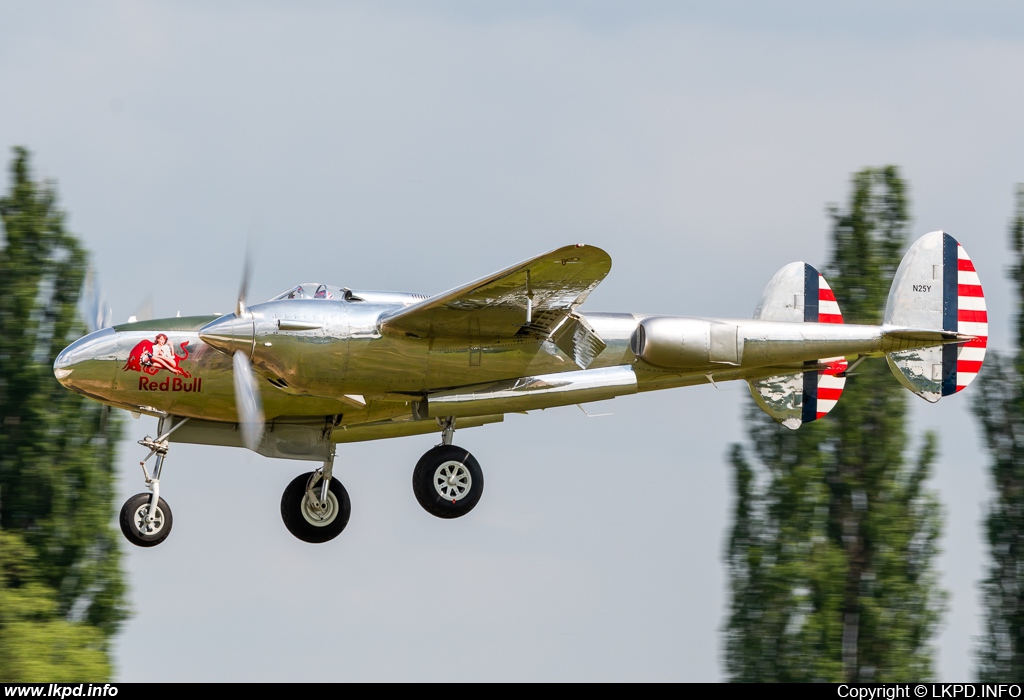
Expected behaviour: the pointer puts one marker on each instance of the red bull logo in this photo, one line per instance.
(194, 384)
(152, 356)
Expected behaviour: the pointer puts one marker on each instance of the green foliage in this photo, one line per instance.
(1017, 269)
(56, 447)
(999, 405)
(36, 645)
(832, 550)
(868, 239)
(786, 574)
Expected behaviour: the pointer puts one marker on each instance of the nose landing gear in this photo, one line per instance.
(145, 517)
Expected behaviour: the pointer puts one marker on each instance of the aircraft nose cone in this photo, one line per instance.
(62, 366)
(86, 358)
(230, 334)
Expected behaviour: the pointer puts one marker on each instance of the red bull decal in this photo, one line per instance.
(152, 356)
(194, 384)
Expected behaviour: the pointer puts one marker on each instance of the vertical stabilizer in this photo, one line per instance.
(936, 287)
(798, 293)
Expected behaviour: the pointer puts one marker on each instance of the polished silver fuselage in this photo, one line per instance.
(310, 370)
(331, 374)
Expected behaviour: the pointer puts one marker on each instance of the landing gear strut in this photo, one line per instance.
(145, 517)
(447, 481)
(315, 507)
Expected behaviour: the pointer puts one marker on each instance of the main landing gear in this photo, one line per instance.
(315, 507)
(447, 481)
(145, 517)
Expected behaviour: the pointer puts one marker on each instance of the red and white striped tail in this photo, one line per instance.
(972, 319)
(937, 288)
(830, 381)
(799, 294)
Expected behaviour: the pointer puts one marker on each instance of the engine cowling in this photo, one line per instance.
(666, 341)
(675, 342)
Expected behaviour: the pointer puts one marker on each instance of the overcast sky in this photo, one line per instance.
(416, 146)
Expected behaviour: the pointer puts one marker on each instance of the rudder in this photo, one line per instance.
(936, 287)
(798, 293)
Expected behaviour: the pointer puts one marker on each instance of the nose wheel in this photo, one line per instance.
(142, 528)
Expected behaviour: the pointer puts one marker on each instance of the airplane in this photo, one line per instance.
(319, 365)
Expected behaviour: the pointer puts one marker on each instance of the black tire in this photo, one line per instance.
(132, 520)
(443, 497)
(300, 520)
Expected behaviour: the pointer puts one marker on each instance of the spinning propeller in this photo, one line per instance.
(247, 394)
(233, 335)
(95, 309)
(97, 315)
(247, 398)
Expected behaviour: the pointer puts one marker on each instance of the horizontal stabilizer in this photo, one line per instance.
(798, 293)
(936, 287)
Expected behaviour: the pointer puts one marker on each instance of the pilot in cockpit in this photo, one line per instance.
(322, 291)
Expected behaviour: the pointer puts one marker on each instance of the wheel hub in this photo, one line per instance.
(322, 516)
(144, 523)
(452, 480)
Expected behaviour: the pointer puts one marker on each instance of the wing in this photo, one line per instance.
(536, 297)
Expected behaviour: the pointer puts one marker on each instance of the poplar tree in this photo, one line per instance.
(832, 551)
(999, 406)
(56, 447)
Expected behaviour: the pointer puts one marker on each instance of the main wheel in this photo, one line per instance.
(133, 521)
(308, 523)
(448, 481)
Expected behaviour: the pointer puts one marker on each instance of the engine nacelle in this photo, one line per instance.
(684, 343)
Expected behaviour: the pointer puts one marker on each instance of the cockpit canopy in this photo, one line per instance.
(327, 291)
(312, 291)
